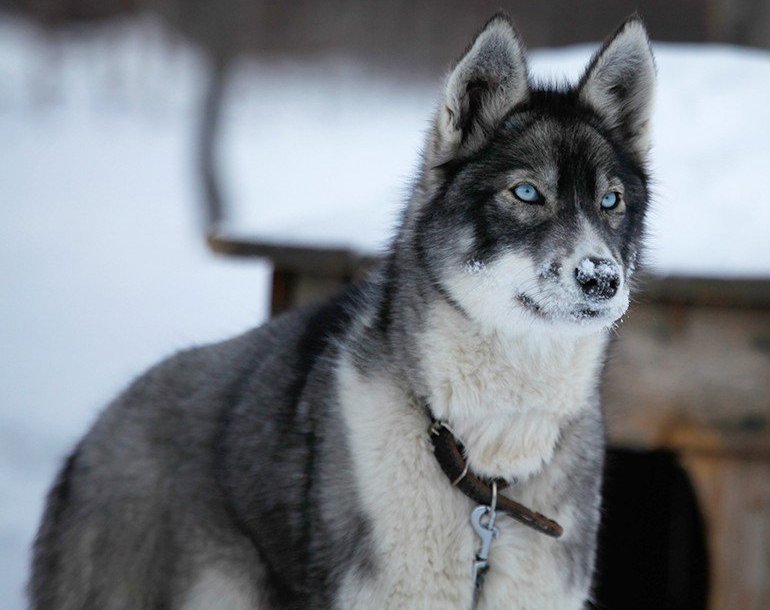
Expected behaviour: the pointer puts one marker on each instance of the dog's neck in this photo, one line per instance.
(506, 397)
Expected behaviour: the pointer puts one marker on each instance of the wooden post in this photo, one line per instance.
(734, 496)
(292, 289)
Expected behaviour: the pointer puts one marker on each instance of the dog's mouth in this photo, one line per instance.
(529, 304)
(577, 314)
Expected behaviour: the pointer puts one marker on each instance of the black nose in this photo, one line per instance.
(598, 278)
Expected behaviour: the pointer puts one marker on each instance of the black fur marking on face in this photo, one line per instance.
(551, 128)
(529, 304)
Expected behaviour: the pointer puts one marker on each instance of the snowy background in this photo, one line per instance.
(102, 268)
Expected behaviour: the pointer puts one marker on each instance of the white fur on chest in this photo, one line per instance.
(423, 541)
(419, 523)
(506, 397)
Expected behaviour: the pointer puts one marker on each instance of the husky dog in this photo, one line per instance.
(292, 467)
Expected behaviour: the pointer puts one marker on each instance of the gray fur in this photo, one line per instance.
(620, 84)
(490, 78)
(235, 457)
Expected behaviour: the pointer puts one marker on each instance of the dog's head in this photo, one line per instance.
(532, 200)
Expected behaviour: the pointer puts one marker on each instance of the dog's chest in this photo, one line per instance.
(506, 399)
(423, 542)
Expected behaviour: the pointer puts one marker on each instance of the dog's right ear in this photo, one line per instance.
(619, 84)
(489, 80)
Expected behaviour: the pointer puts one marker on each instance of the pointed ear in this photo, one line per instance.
(489, 80)
(619, 84)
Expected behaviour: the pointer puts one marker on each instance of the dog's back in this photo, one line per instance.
(149, 503)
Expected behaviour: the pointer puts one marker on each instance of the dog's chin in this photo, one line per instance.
(580, 317)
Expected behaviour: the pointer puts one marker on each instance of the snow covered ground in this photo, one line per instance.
(102, 270)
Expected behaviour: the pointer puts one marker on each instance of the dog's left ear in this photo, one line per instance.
(489, 80)
(619, 84)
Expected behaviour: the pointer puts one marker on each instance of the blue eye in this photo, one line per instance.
(611, 200)
(527, 193)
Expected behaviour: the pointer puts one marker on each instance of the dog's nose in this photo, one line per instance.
(598, 278)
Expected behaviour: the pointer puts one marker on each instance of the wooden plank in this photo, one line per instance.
(291, 289)
(721, 292)
(734, 497)
(681, 376)
(333, 262)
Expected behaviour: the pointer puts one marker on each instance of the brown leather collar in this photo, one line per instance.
(452, 462)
